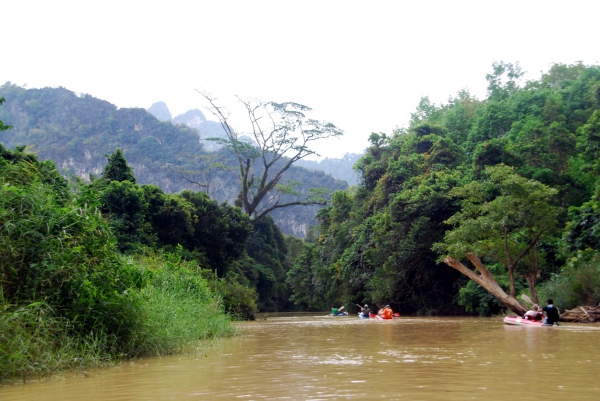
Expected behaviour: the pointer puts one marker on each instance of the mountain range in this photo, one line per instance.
(79, 131)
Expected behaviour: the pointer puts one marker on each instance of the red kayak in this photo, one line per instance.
(519, 321)
(374, 316)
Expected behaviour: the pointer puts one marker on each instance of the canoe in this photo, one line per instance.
(519, 321)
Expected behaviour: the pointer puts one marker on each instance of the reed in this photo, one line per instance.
(174, 311)
(177, 309)
(35, 342)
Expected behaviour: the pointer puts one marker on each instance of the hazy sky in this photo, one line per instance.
(362, 65)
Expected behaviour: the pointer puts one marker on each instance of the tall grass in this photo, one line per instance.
(174, 311)
(34, 341)
(177, 308)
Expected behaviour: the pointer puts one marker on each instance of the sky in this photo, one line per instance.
(362, 65)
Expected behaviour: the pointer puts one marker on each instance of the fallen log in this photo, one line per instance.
(582, 314)
(587, 314)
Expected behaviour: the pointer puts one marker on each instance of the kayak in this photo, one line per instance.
(386, 318)
(374, 316)
(339, 314)
(519, 321)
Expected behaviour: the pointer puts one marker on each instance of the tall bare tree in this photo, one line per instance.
(280, 136)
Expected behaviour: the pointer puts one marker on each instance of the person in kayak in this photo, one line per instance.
(551, 311)
(534, 314)
(365, 311)
(335, 311)
(386, 313)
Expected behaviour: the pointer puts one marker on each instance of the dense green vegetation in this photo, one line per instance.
(115, 269)
(510, 181)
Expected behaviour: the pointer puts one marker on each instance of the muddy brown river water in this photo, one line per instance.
(313, 357)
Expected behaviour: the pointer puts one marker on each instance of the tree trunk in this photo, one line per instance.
(511, 280)
(487, 281)
(531, 279)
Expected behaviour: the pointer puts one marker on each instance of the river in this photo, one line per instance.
(313, 357)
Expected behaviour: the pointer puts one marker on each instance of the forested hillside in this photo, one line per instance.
(506, 184)
(78, 131)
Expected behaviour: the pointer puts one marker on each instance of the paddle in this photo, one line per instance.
(526, 299)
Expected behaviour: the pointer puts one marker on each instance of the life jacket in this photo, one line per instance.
(388, 313)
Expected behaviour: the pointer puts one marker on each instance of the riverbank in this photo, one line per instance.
(173, 312)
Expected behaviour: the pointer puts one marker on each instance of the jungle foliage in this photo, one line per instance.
(248, 257)
(69, 298)
(97, 271)
(510, 181)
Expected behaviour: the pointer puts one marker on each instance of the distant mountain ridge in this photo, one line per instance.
(77, 131)
(194, 119)
(160, 111)
(342, 169)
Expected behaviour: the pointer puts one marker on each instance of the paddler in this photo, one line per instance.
(335, 311)
(551, 311)
(365, 311)
(386, 312)
(534, 314)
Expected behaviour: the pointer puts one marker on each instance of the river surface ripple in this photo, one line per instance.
(313, 357)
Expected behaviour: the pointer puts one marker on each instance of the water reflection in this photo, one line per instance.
(312, 357)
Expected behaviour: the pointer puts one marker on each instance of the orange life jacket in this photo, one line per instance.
(388, 313)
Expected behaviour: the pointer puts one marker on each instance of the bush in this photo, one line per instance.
(64, 255)
(239, 300)
(578, 283)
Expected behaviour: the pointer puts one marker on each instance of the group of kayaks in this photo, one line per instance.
(510, 320)
(371, 316)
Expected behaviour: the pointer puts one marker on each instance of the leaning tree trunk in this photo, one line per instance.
(487, 281)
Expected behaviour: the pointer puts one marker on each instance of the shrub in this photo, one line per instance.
(578, 283)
